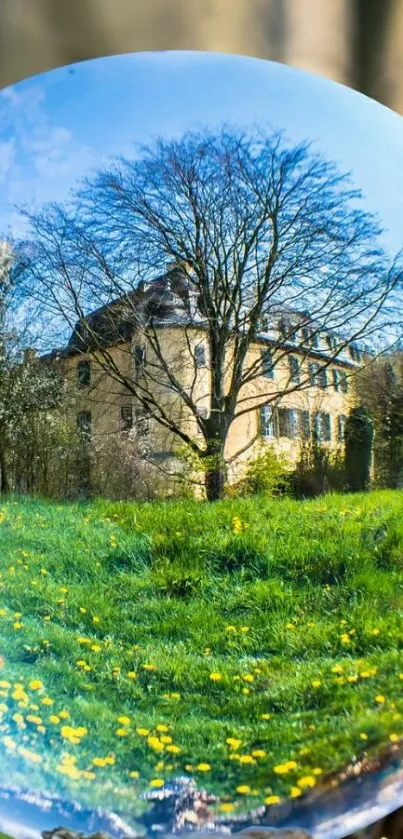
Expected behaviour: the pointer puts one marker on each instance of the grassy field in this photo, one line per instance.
(255, 645)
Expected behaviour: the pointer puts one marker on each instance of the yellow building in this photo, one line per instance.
(295, 392)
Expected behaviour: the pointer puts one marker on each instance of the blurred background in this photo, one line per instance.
(356, 42)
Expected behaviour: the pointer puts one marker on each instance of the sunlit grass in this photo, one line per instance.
(254, 645)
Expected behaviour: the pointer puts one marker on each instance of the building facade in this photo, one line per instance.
(299, 388)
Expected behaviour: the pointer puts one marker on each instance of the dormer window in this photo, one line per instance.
(84, 373)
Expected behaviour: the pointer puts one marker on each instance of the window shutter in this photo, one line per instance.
(267, 364)
(313, 368)
(341, 424)
(284, 422)
(317, 427)
(322, 378)
(305, 425)
(294, 369)
(327, 431)
(336, 380)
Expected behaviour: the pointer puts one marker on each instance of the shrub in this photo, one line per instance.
(358, 449)
(317, 471)
(268, 474)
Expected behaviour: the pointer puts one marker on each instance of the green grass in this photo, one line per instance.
(271, 595)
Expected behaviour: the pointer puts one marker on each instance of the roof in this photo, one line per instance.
(165, 300)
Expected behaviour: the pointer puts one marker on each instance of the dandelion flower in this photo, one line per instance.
(215, 677)
(243, 789)
(203, 767)
(157, 783)
(306, 782)
(272, 799)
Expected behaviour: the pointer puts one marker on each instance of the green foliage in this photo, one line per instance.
(380, 388)
(318, 470)
(359, 434)
(268, 474)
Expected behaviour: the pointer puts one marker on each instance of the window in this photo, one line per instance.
(267, 364)
(305, 336)
(336, 380)
(315, 339)
(126, 417)
(355, 353)
(84, 373)
(200, 355)
(344, 382)
(341, 428)
(268, 422)
(139, 358)
(293, 423)
(331, 342)
(84, 422)
(141, 420)
(318, 375)
(283, 328)
(294, 369)
(322, 427)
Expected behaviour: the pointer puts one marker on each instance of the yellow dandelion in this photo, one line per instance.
(124, 720)
(380, 699)
(134, 774)
(233, 742)
(215, 677)
(243, 789)
(156, 783)
(259, 753)
(203, 767)
(295, 792)
(122, 732)
(132, 675)
(308, 781)
(272, 799)
(35, 684)
(143, 732)
(226, 807)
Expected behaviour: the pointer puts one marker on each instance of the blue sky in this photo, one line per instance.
(56, 127)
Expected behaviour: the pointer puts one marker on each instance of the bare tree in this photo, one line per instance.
(274, 251)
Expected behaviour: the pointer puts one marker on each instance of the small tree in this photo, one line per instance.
(359, 434)
(380, 389)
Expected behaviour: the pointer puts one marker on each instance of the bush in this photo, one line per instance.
(268, 474)
(317, 471)
(359, 439)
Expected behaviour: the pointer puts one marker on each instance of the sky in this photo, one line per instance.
(57, 127)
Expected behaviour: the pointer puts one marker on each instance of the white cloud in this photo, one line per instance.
(39, 159)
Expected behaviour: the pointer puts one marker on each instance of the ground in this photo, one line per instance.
(256, 645)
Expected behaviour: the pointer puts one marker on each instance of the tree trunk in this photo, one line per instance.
(215, 471)
(215, 483)
(4, 481)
